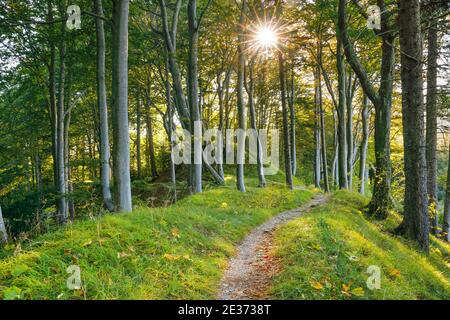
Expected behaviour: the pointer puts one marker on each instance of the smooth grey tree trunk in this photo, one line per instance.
(170, 126)
(317, 139)
(241, 114)
(284, 111)
(349, 129)
(121, 135)
(341, 111)
(151, 158)
(193, 93)
(446, 226)
(3, 233)
(251, 106)
(138, 134)
(62, 204)
(326, 181)
(105, 151)
(364, 145)
(334, 168)
(292, 123)
(52, 92)
(431, 136)
(416, 220)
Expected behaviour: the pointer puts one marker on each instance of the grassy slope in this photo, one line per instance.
(173, 253)
(326, 255)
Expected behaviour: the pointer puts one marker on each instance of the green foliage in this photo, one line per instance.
(326, 255)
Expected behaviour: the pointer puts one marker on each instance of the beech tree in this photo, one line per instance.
(416, 220)
(121, 136)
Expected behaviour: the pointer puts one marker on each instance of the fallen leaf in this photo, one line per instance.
(395, 273)
(171, 257)
(87, 243)
(359, 292)
(316, 285)
(121, 255)
(175, 233)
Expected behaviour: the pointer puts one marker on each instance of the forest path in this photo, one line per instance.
(250, 272)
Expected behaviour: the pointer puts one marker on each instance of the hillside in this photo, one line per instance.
(326, 255)
(171, 253)
(181, 252)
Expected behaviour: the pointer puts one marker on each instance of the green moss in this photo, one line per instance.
(178, 252)
(326, 254)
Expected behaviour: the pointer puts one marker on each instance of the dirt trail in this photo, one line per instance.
(250, 272)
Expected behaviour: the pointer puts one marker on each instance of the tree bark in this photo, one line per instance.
(138, 134)
(170, 126)
(416, 220)
(317, 139)
(251, 105)
(364, 145)
(284, 111)
(121, 157)
(342, 84)
(292, 123)
(105, 152)
(446, 227)
(431, 110)
(3, 233)
(62, 204)
(151, 158)
(193, 95)
(240, 99)
(326, 181)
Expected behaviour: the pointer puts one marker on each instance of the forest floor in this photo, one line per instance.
(183, 251)
(250, 272)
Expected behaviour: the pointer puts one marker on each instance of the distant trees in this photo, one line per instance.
(381, 99)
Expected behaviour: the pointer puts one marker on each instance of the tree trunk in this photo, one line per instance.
(251, 105)
(293, 142)
(326, 181)
(52, 94)
(170, 127)
(317, 139)
(284, 110)
(431, 136)
(342, 84)
(349, 128)
(193, 94)
(416, 220)
(122, 180)
(335, 168)
(3, 233)
(151, 158)
(364, 145)
(138, 135)
(446, 227)
(240, 100)
(105, 152)
(62, 207)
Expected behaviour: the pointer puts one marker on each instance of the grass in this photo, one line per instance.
(326, 255)
(177, 252)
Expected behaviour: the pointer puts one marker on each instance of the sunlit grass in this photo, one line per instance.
(178, 252)
(326, 255)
